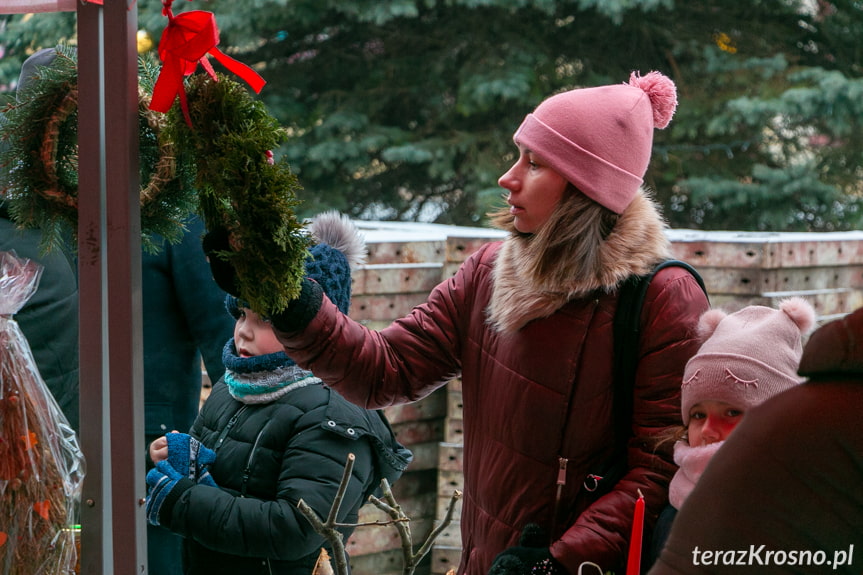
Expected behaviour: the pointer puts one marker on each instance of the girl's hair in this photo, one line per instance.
(671, 435)
(574, 230)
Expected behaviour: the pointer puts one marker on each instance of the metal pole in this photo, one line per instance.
(125, 324)
(113, 524)
(92, 289)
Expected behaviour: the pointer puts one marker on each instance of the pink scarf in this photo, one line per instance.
(692, 461)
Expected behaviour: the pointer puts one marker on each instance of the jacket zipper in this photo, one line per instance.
(247, 471)
(561, 482)
(231, 423)
(562, 461)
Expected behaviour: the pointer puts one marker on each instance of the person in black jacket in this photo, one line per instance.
(271, 434)
(49, 320)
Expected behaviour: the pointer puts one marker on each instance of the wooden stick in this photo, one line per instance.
(393, 509)
(328, 530)
(388, 505)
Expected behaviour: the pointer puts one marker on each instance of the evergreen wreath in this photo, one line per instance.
(220, 166)
(40, 158)
(242, 190)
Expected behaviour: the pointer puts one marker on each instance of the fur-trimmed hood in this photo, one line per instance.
(636, 243)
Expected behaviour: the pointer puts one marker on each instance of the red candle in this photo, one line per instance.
(633, 564)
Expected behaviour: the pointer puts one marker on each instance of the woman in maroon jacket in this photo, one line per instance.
(527, 323)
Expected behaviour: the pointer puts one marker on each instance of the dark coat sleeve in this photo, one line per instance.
(184, 320)
(200, 300)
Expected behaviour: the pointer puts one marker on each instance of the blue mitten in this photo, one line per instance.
(164, 491)
(189, 456)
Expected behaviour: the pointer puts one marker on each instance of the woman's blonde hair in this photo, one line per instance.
(566, 245)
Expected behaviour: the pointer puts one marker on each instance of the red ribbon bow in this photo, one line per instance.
(186, 41)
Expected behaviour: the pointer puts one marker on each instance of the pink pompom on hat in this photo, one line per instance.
(748, 356)
(600, 139)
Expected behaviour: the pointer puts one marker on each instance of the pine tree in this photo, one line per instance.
(401, 109)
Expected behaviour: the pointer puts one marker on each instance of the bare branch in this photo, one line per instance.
(388, 505)
(393, 509)
(343, 486)
(426, 546)
(376, 523)
(328, 530)
(330, 534)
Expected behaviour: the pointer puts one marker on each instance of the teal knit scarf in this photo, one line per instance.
(263, 378)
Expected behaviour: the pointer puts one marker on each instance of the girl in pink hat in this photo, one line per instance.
(747, 357)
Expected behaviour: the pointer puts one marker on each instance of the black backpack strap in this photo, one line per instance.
(627, 331)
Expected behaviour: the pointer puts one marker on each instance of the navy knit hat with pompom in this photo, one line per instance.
(329, 267)
(339, 246)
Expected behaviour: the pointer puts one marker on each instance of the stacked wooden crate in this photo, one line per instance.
(745, 268)
(407, 260)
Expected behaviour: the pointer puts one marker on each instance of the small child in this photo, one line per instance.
(269, 435)
(746, 358)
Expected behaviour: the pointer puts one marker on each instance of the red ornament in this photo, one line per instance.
(186, 42)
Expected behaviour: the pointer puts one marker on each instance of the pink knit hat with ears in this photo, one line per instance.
(748, 356)
(600, 139)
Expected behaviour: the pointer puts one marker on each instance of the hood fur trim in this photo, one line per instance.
(634, 246)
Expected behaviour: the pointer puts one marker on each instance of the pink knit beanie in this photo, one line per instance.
(747, 356)
(600, 139)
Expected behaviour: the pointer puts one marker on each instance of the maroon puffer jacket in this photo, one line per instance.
(530, 398)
